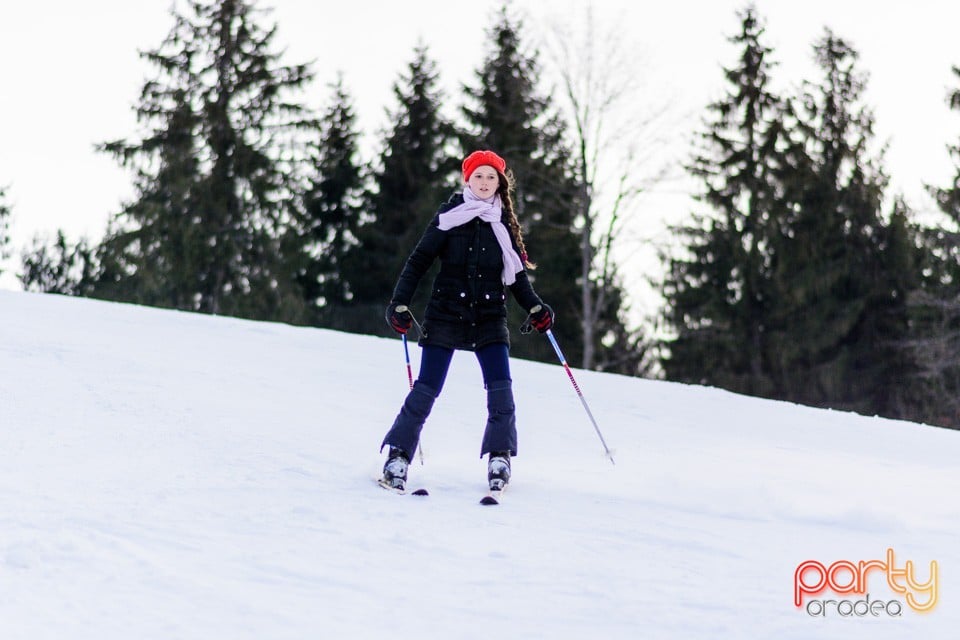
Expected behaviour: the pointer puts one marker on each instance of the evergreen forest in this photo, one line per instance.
(797, 275)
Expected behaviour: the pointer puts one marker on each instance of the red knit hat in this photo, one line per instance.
(480, 158)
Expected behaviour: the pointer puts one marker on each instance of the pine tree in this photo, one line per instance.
(947, 239)
(798, 289)
(411, 181)
(511, 118)
(155, 248)
(847, 269)
(59, 267)
(216, 173)
(720, 296)
(934, 338)
(5, 214)
(332, 210)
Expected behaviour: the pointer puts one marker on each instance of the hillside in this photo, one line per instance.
(168, 475)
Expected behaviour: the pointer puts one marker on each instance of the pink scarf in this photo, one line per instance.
(489, 210)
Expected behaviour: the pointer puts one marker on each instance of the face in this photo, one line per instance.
(484, 181)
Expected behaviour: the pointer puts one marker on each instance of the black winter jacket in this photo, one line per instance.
(468, 305)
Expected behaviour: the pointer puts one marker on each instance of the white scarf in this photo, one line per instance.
(489, 210)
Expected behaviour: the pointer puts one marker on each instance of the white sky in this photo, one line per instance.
(71, 75)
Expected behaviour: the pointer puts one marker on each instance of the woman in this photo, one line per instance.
(477, 238)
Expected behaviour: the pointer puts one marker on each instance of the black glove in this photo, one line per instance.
(541, 318)
(399, 318)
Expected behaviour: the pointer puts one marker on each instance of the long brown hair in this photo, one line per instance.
(505, 191)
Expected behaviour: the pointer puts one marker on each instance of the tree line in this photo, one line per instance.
(797, 276)
(251, 203)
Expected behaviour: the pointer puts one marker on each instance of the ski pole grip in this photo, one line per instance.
(400, 308)
(526, 327)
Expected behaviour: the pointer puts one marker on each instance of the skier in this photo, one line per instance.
(477, 237)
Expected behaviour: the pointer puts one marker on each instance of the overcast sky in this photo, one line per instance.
(71, 75)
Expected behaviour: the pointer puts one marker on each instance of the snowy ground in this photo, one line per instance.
(166, 475)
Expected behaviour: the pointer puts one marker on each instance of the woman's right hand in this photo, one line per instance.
(399, 317)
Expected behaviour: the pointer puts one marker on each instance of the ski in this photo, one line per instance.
(492, 498)
(401, 492)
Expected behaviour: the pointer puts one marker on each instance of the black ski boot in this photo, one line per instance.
(395, 470)
(498, 470)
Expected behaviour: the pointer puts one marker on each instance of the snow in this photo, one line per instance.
(169, 475)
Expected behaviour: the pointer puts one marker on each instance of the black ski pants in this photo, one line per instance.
(500, 433)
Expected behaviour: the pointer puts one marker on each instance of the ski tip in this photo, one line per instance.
(420, 492)
(489, 500)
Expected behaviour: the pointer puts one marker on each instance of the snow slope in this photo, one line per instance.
(168, 475)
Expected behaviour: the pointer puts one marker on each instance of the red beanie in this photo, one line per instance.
(480, 158)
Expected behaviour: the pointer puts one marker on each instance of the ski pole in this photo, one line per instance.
(563, 361)
(406, 353)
